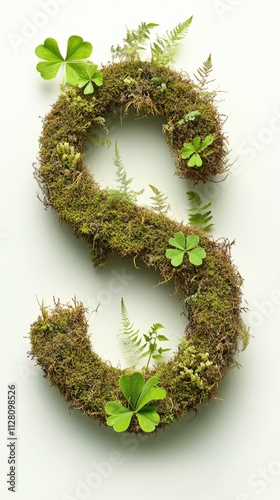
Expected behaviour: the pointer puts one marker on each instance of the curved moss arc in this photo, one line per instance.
(111, 223)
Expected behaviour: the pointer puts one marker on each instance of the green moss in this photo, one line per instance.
(111, 223)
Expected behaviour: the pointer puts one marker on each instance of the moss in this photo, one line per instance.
(111, 223)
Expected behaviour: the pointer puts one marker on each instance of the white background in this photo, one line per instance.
(231, 450)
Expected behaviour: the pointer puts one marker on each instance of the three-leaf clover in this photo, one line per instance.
(183, 245)
(192, 149)
(89, 75)
(77, 70)
(138, 394)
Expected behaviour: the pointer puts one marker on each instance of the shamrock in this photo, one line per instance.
(89, 75)
(192, 149)
(77, 70)
(183, 245)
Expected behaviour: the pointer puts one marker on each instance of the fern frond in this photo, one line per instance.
(199, 216)
(134, 42)
(141, 347)
(155, 328)
(164, 48)
(98, 140)
(99, 120)
(121, 178)
(188, 117)
(121, 174)
(97, 137)
(153, 350)
(129, 335)
(194, 198)
(203, 77)
(159, 201)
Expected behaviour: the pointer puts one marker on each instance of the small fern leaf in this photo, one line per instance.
(123, 182)
(204, 78)
(98, 140)
(194, 199)
(154, 328)
(134, 42)
(159, 201)
(199, 216)
(164, 48)
(129, 335)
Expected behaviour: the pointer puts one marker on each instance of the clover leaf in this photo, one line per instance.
(138, 394)
(192, 149)
(120, 416)
(184, 245)
(89, 75)
(77, 70)
(196, 255)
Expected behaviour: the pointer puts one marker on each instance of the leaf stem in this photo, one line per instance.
(152, 349)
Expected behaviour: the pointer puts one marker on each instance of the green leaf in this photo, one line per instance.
(157, 357)
(159, 201)
(176, 256)
(129, 335)
(196, 255)
(209, 152)
(155, 327)
(206, 142)
(150, 393)
(148, 418)
(162, 338)
(187, 150)
(179, 241)
(120, 416)
(195, 219)
(120, 422)
(196, 143)
(134, 42)
(203, 79)
(164, 48)
(131, 387)
(194, 198)
(196, 216)
(49, 51)
(48, 70)
(114, 408)
(206, 228)
(195, 160)
(89, 88)
(77, 49)
(84, 74)
(192, 241)
(85, 70)
(196, 147)
(207, 206)
(98, 78)
(206, 217)
(72, 73)
(122, 180)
